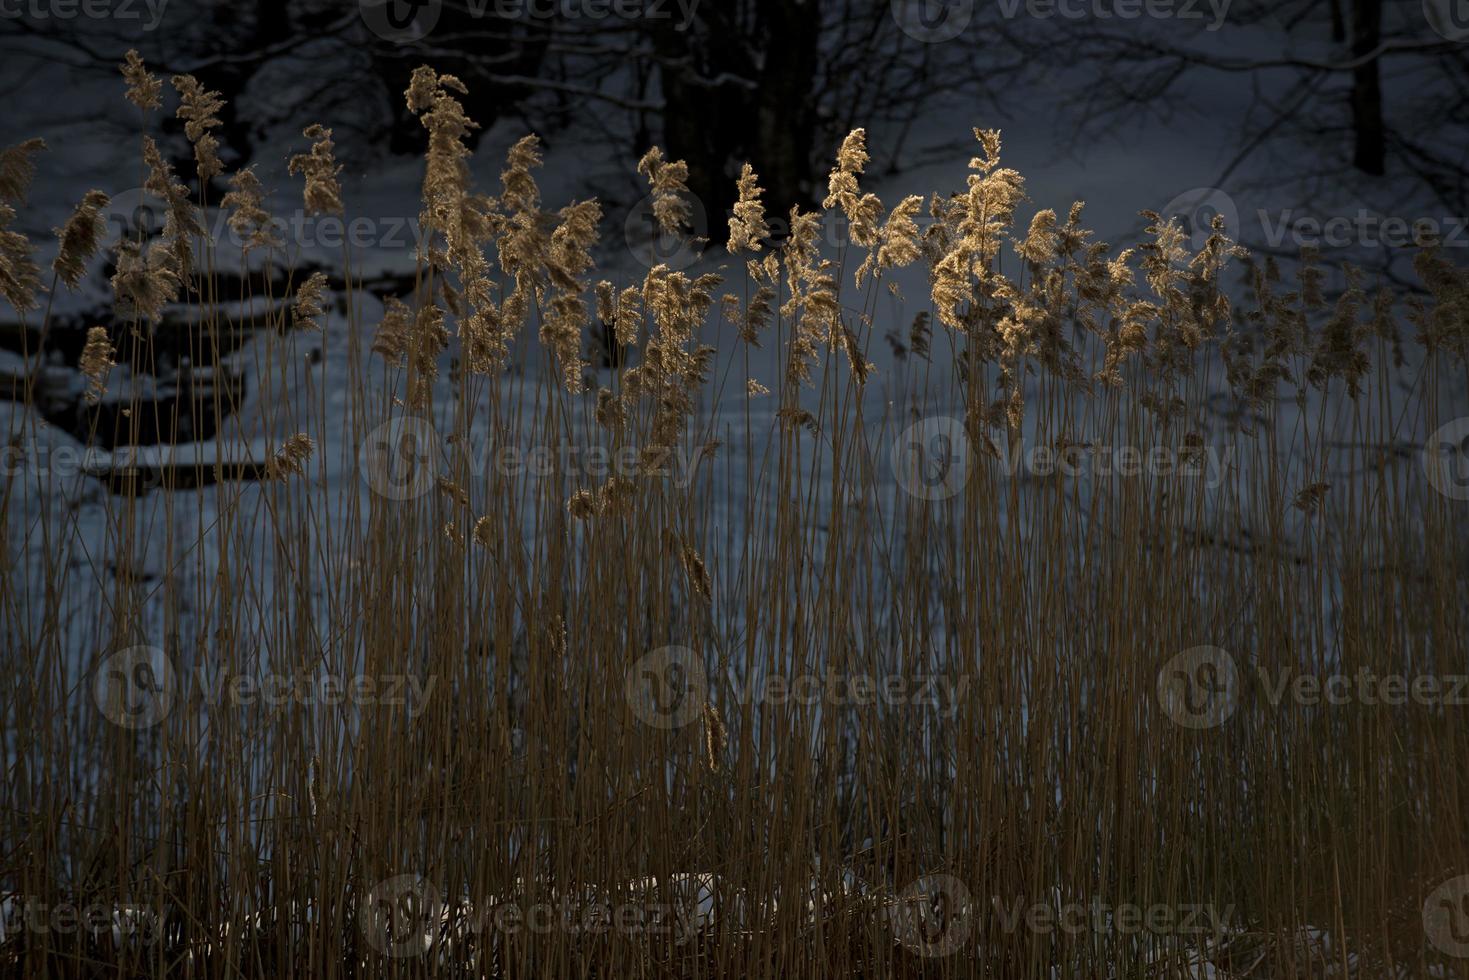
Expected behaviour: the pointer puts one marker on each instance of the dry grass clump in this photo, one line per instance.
(443, 695)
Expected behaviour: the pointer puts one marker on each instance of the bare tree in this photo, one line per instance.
(773, 82)
(1341, 90)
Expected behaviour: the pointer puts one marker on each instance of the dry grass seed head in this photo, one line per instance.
(747, 225)
(144, 90)
(308, 302)
(668, 181)
(394, 332)
(199, 109)
(143, 283)
(181, 224)
(862, 210)
(96, 361)
(322, 194)
(519, 192)
(1310, 498)
(20, 277)
(79, 239)
(245, 205)
(290, 458)
(17, 168)
(582, 506)
(698, 575)
(428, 340)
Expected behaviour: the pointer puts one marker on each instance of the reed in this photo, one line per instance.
(819, 685)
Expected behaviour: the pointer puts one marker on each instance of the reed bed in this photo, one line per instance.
(740, 674)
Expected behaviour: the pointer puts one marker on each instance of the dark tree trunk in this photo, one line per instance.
(1370, 150)
(715, 126)
(785, 122)
(267, 22)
